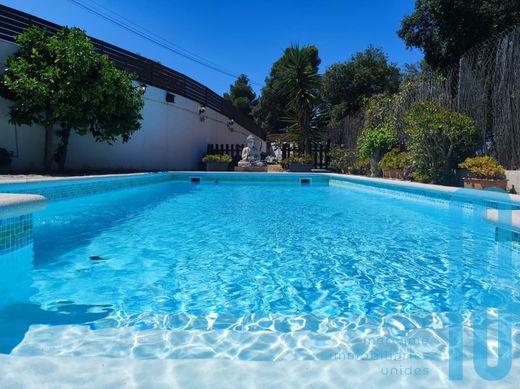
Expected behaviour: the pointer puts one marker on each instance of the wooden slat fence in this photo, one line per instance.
(319, 153)
(14, 22)
(234, 151)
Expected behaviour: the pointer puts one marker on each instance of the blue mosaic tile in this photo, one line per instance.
(15, 233)
(64, 189)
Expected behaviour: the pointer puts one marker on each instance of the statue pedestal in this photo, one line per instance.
(251, 169)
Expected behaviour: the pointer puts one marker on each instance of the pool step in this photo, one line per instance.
(70, 340)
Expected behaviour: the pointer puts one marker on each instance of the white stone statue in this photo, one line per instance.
(250, 154)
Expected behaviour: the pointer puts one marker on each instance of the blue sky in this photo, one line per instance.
(240, 36)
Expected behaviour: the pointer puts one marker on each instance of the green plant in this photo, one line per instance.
(342, 160)
(439, 140)
(300, 81)
(296, 158)
(361, 166)
(346, 85)
(241, 95)
(484, 167)
(379, 134)
(223, 158)
(59, 80)
(271, 159)
(373, 140)
(395, 160)
(273, 106)
(446, 29)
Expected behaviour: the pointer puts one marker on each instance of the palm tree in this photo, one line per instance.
(300, 81)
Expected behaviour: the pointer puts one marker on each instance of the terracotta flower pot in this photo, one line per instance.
(483, 183)
(393, 173)
(300, 167)
(217, 166)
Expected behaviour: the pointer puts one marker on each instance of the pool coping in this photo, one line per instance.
(452, 191)
(54, 179)
(13, 204)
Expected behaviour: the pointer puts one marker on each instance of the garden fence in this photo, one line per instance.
(319, 153)
(485, 84)
(234, 151)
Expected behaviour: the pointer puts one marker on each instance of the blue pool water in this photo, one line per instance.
(251, 257)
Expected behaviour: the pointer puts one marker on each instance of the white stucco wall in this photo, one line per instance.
(513, 180)
(172, 137)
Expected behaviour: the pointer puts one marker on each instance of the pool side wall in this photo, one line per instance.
(16, 244)
(67, 187)
(22, 198)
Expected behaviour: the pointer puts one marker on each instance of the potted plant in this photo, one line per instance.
(5, 160)
(298, 163)
(485, 172)
(217, 162)
(393, 164)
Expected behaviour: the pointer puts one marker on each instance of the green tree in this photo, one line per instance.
(273, 107)
(346, 85)
(439, 140)
(379, 130)
(61, 81)
(419, 70)
(241, 95)
(445, 29)
(300, 82)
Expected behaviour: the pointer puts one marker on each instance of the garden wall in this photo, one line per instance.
(172, 137)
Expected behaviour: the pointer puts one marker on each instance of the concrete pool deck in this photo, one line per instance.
(12, 205)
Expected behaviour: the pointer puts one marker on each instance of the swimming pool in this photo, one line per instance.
(252, 269)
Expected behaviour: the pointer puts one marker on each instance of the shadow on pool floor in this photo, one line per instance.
(16, 319)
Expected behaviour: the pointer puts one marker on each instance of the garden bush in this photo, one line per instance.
(372, 140)
(342, 160)
(361, 167)
(395, 160)
(439, 140)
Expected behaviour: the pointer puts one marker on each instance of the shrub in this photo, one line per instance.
(271, 159)
(224, 158)
(361, 166)
(439, 140)
(381, 139)
(395, 160)
(342, 160)
(484, 167)
(296, 158)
